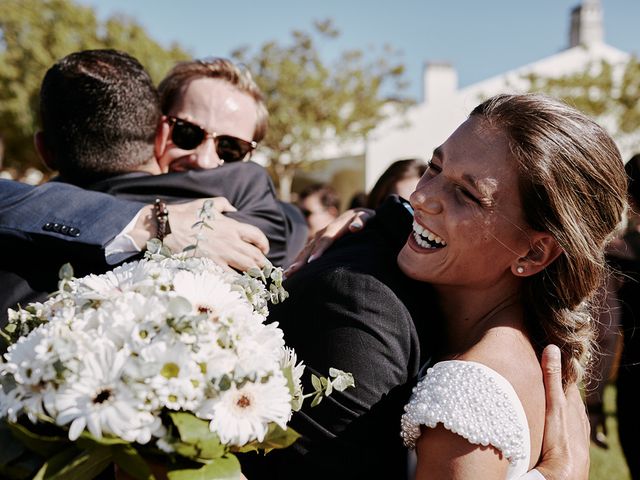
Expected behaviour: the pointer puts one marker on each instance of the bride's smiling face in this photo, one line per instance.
(469, 227)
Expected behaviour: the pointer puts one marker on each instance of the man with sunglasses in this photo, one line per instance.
(213, 113)
(102, 131)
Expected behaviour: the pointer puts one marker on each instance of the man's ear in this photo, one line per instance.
(543, 251)
(163, 130)
(45, 154)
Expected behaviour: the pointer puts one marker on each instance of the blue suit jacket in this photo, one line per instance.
(42, 228)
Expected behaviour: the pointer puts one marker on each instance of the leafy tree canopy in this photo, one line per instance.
(600, 90)
(311, 100)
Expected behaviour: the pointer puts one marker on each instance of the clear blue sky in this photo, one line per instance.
(480, 38)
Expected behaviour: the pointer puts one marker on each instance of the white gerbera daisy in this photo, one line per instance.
(208, 294)
(100, 402)
(242, 414)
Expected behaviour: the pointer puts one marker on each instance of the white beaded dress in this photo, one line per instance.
(475, 402)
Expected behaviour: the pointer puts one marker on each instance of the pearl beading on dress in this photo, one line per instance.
(468, 401)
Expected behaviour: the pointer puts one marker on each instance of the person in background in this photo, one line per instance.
(319, 203)
(400, 178)
(625, 257)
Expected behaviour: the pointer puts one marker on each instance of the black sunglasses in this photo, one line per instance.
(187, 136)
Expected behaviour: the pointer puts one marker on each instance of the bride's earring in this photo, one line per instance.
(520, 269)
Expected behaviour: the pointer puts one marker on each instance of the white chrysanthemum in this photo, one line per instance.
(259, 350)
(178, 382)
(43, 354)
(99, 402)
(242, 414)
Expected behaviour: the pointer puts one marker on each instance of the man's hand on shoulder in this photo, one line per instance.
(565, 447)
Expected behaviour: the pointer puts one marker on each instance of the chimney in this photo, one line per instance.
(440, 81)
(586, 24)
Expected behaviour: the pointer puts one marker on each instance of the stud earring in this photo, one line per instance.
(520, 269)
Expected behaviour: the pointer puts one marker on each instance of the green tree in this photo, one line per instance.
(600, 90)
(37, 33)
(311, 101)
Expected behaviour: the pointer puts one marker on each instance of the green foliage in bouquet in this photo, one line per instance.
(166, 361)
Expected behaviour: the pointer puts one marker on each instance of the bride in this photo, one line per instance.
(510, 224)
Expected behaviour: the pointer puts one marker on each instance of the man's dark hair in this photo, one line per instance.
(99, 111)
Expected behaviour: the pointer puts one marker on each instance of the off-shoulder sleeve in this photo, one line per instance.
(473, 401)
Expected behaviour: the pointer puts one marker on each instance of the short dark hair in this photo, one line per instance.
(99, 111)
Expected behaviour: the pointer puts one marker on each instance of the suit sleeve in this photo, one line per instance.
(356, 324)
(252, 192)
(57, 212)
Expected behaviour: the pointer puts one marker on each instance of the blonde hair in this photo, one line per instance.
(572, 185)
(221, 68)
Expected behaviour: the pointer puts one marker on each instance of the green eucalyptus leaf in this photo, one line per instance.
(224, 468)
(317, 399)
(129, 460)
(315, 381)
(341, 380)
(65, 272)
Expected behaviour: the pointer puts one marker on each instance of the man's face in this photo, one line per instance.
(218, 108)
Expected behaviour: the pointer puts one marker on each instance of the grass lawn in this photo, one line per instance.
(609, 464)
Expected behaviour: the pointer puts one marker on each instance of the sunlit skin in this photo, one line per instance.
(214, 105)
(469, 198)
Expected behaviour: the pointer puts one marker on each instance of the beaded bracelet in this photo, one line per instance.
(161, 214)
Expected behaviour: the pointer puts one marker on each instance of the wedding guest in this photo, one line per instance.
(400, 178)
(213, 112)
(507, 245)
(99, 113)
(320, 204)
(626, 258)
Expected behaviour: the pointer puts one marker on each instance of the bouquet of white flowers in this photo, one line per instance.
(168, 358)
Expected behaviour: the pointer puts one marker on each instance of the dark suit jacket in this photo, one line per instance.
(42, 228)
(354, 310)
(246, 185)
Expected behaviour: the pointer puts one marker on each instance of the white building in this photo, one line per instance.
(445, 106)
(424, 126)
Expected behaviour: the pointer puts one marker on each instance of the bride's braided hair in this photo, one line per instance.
(572, 185)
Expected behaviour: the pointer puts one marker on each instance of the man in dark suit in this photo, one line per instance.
(99, 113)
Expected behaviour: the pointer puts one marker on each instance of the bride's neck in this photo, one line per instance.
(470, 314)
